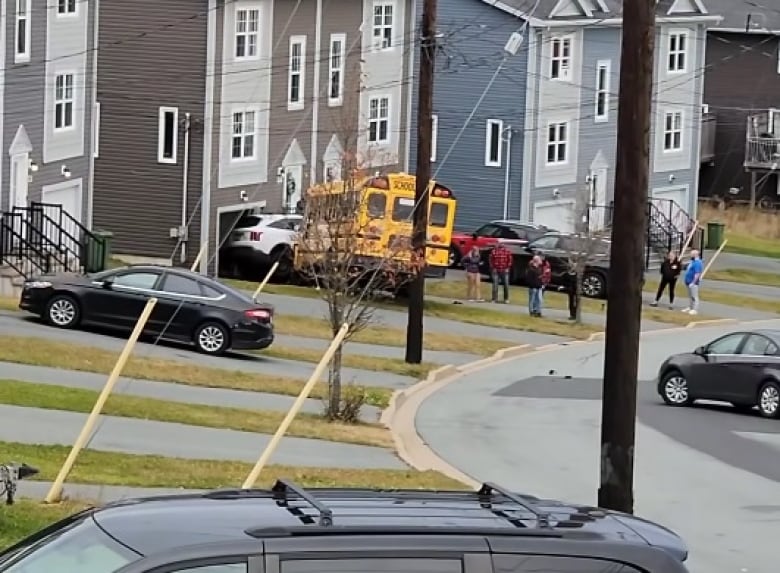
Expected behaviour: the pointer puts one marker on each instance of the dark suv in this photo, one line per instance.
(292, 530)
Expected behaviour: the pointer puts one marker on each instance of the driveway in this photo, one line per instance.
(712, 475)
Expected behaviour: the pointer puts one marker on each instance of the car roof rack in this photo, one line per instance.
(489, 488)
(282, 489)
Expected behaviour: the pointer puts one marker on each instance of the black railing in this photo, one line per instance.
(669, 227)
(43, 238)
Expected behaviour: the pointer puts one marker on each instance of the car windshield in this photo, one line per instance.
(80, 546)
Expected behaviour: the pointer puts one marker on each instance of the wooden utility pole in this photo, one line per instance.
(624, 301)
(414, 325)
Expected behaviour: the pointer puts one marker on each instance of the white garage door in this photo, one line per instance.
(677, 210)
(558, 215)
(68, 195)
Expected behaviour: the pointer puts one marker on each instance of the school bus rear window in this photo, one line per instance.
(403, 209)
(377, 202)
(438, 215)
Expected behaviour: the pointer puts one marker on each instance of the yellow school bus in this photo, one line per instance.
(382, 221)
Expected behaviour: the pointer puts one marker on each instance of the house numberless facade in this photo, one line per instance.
(210, 109)
(545, 133)
(47, 111)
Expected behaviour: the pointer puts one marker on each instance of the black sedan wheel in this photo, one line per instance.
(593, 285)
(769, 400)
(63, 311)
(212, 338)
(674, 389)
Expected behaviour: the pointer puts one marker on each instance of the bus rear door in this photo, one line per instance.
(441, 220)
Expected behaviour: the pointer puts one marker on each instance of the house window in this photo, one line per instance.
(560, 58)
(63, 101)
(602, 90)
(379, 120)
(557, 143)
(244, 128)
(678, 48)
(434, 135)
(296, 72)
(247, 26)
(22, 44)
(167, 135)
(336, 69)
(383, 25)
(673, 128)
(66, 7)
(493, 142)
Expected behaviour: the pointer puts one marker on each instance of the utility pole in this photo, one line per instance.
(414, 325)
(624, 301)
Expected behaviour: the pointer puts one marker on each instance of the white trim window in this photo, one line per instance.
(337, 53)
(22, 31)
(296, 73)
(379, 120)
(168, 135)
(494, 142)
(603, 70)
(434, 136)
(382, 25)
(673, 131)
(96, 131)
(560, 58)
(244, 135)
(67, 7)
(678, 52)
(246, 33)
(63, 102)
(557, 143)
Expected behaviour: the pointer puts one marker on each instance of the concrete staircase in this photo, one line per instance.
(11, 282)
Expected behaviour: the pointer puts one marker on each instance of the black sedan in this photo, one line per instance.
(190, 308)
(742, 368)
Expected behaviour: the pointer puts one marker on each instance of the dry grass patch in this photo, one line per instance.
(51, 397)
(67, 356)
(108, 468)
(9, 303)
(748, 232)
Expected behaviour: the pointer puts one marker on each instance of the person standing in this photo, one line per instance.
(546, 276)
(471, 265)
(533, 279)
(670, 271)
(693, 274)
(500, 264)
(570, 287)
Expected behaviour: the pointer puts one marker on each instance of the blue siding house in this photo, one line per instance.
(543, 138)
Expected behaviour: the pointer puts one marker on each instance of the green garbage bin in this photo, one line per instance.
(715, 232)
(96, 251)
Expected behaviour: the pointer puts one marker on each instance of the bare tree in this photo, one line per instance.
(589, 244)
(340, 251)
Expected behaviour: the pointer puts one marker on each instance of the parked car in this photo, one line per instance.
(190, 308)
(516, 232)
(742, 368)
(289, 529)
(559, 249)
(257, 242)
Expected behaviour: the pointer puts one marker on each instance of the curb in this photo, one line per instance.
(400, 415)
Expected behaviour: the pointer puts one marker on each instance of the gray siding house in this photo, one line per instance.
(212, 108)
(545, 134)
(47, 111)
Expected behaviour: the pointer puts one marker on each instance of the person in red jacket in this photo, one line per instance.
(500, 264)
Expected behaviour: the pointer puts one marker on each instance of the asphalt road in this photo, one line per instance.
(708, 473)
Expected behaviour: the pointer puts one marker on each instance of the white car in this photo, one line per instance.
(260, 240)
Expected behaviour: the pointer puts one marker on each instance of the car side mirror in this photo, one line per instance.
(108, 284)
(700, 351)
(528, 249)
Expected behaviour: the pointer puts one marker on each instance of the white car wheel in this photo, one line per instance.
(769, 400)
(212, 338)
(62, 311)
(675, 390)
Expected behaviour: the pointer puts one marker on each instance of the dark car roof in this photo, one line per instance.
(154, 524)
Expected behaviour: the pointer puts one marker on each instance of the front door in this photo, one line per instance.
(598, 200)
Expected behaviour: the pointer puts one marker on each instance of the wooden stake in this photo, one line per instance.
(688, 240)
(199, 257)
(712, 259)
(266, 279)
(55, 492)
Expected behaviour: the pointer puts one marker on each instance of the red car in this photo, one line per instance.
(517, 232)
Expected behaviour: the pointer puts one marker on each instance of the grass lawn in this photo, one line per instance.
(26, 517)
(755, 246)
(748, 232)
(108, 468)
(745, 276)
(49, 397)
(67, 356)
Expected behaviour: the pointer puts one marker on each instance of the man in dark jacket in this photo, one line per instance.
(569, 280)
(670, 271)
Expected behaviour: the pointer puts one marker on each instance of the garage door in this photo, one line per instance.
(68, 196)
(676, 210)
(558, 215)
